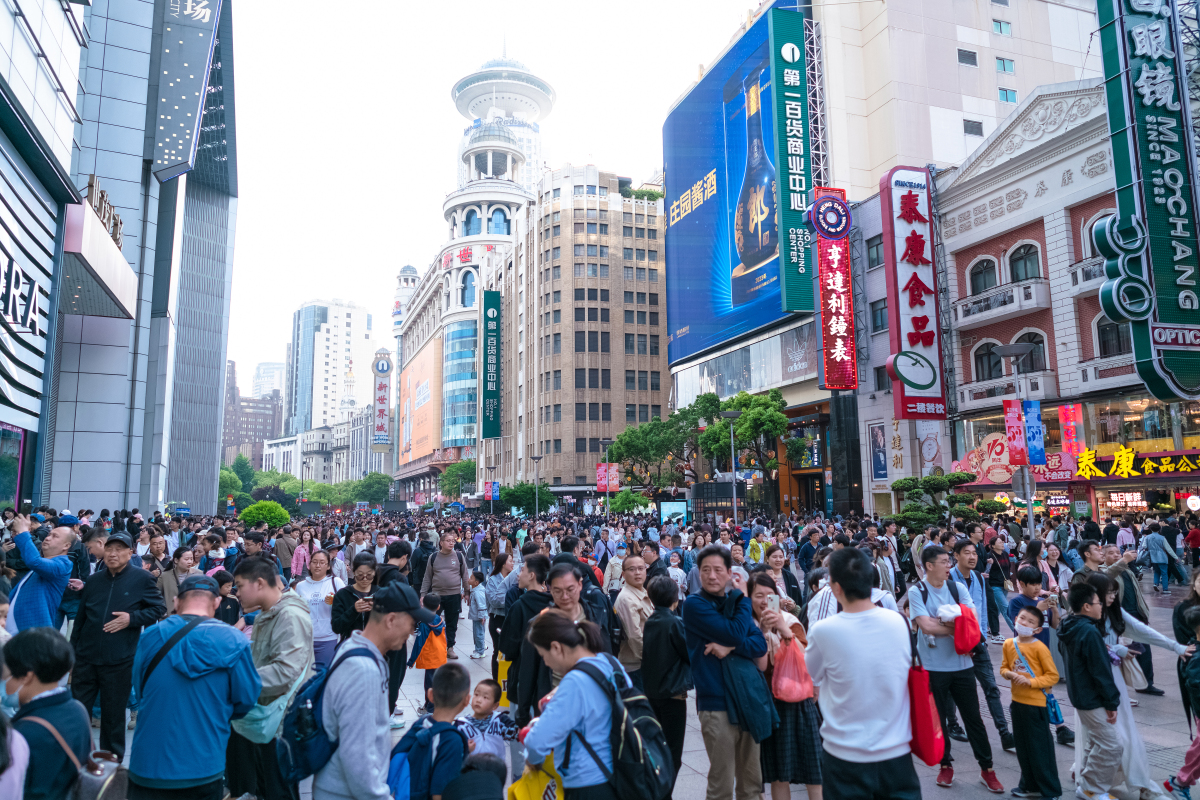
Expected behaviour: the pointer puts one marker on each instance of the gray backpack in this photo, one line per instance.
(101, 777)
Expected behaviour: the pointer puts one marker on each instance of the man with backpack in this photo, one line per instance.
(354, 702)
(446, 576)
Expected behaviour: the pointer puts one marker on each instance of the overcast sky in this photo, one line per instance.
(347, 136)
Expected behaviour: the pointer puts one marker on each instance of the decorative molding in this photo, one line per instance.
(1042, 118)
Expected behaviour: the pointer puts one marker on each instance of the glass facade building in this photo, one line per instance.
(460, 405)
(301, 360)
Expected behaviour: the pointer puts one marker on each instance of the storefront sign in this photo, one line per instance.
(381, 436)
(1083, 507)
(990, 462)
(1127, 499)
(915, 365)
(1149, 246)
(188, 34)
(1014, 427)
(830, 217)
(1057, 501)
(877, 435)
(1070, 421)
(489, 406)
(1035, 432)
(1193, 503)
(1126, 463)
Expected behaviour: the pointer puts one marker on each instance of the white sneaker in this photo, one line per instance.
(1085, 795)
(398, 720)
(477, 655)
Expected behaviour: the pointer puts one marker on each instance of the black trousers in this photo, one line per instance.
(397, 666)
(206, 791)
(993, 611)
(1035, 750)
(986, 676)
(428, 684)
(1146, 661)
(252, 768)
(894, 779)
(959, 687)
(112, 683)
(451, 611)
(601, 791)
(672, 716)
(495, 625)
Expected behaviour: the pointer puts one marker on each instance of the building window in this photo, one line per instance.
(628, 273)
(557, 449)
(627, 253)
(580, 341)
(641, 298)
(655, 381)
(606, 412)
(557, 414)
(968, 58)
(581, 412)
(1114, 338)
(875, 251)
(655, 412)
(557, 252)
(594, 412)
(593, 340)
(641, 255)
(557, 293)
(983, 276)
(498, 224)
(471, 223)
(882, 381)
(557, 375)
(627, 231)
(557, 230)
(593, 379)
(605, 379)
(591, 190)
(557, 315)
(605, 347)
(972, 127)
(628, 297)
(879, 315)
(578, 190)
(1024, 263)
(580, 447)
(578, 227)
(1006, 65)
(653, 317)
(557, 345)
(641, 344)
(1036, 360)
(591, 228)
(579, 314)
(987, 363)
(653, 344)
(653, 299)
(580, 294)
(641, 317)
(581, 379)
(555, 195)
(629, 344)
(1007, 95)
(630, 380)
(641, 380)
(1001, 27)
(593, 314)
(628, 317)
(630, 412)
(556, 273)
(591, 295)
(604, 295)
(641, 273)
(594, 445)
(604, 315)
(643, 413)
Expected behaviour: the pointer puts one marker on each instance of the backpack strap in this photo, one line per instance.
(166, 648)
(62, 742)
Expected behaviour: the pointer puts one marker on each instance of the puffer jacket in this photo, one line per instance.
(282, 646)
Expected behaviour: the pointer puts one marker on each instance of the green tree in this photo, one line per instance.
(265, 511)
(644, 450)
(374, 486)
(924, 500)
(345, 494)
(706, 408)
(455, 477)
(241, 501)
(228, 483)
(241, 466)
(521, 495)
(756, 433)
(275, 493)
(627, 501)
(270, 477)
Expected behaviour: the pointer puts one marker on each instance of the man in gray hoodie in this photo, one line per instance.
(355, 708)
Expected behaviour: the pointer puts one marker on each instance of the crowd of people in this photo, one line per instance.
(200, 635)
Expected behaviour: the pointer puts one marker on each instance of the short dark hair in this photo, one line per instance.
(814, 576)
(486, 762)
(494, 686)
(962, 544)
(222, 577)
(431, 602)
(43, 651)
(399, 549)
(564, 568)
(663, 591)
(710, 550)
(1191, 618)
(255, 567)
(530, 548)
(1029, 575)
(1036, 612)
(1080, 594)
(569, 543)
(257, 538)
(363, 560)
(932, 553)
(1083, 545)
(851, 569)
(842, 539)
(539, 565)
(478, 576)
(451, 684)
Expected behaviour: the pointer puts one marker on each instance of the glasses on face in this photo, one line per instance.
(635, 569)
(363, 575)
(564, 591)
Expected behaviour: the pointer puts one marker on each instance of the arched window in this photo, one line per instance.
(1036, 360)
(498, 223)
(983, 276)
(1024, 263)
(1114, 337)
(471, 223)
(446, 293)
(467, 295)
(987, 363)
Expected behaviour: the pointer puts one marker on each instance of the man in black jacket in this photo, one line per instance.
(116, 603)
(1092, 691)
(526, 683)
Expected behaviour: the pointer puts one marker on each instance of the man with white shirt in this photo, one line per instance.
(865, 728)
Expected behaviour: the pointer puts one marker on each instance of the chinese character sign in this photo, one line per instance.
(489, 406)
(915, 365)
(1035, 432)
(1070, 434)
(381, 404)
(614, 478)
(1149, 245)
(837, 299)
(601, 476)
(1014, 429)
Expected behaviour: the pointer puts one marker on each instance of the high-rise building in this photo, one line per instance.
(584, 330)
(268, 376)
(248, 420)
(406, 284)
(328, 340)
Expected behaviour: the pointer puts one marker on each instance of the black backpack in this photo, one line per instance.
(642, 763)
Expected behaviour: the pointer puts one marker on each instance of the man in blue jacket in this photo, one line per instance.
(209, 670)
(718, 624)
(34, 601)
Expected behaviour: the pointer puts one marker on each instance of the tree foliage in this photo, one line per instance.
(243, 469)
(455, 477)
(756, 433)
(627, 501)
(228, 483)
(646, 450)
(265, 511)
(927, 500)
(373, 488)
(522, 495)
(270, 477)
(241, 501)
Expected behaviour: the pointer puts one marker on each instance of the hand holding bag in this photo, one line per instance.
(928, 741)
(790, 681)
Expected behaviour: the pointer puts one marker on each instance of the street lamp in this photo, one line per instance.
(731, 416)
(605, 443)
(491, 493)
(535, 460)
(1017, 352)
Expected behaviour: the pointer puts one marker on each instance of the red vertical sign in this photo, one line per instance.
(830, 218)
(601, 476)
(1014, 427)
(614, 477)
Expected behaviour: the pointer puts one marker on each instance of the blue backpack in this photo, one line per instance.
(399, 779)
(303, 747)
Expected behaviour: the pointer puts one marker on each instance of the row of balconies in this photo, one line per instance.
(1015, 299)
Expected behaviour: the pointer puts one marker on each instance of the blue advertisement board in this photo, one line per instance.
(1035, 432)
(722, 239)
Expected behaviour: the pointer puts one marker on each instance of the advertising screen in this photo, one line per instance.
(723, 234)
(420, 403)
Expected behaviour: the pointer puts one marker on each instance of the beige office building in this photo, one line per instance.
(584, 342)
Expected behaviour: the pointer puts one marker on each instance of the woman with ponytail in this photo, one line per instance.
(579, 714)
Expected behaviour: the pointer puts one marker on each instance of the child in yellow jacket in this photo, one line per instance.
(1027, 663)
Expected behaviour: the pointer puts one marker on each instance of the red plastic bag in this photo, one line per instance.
(928, 740)
(790, 682)
(967, 635)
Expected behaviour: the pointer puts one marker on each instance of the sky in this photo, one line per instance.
(348, 138)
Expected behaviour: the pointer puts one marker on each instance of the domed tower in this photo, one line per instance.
(504, 92)
(406, 284)
(346, 407)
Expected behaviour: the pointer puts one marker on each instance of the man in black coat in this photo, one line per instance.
(116, 603)
(526, 684)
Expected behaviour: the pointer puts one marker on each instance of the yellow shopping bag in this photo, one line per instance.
(537, 784)
(502, 672)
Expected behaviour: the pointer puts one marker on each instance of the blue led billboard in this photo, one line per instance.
(722, 242)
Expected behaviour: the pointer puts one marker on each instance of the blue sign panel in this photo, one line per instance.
(1035, 432)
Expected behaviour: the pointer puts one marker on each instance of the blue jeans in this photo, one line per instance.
(1002, 603)
(1071, 556)
(485, 566)
(1160, 575)
(477, 630)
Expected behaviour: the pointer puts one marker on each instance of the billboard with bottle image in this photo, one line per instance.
(723, 182)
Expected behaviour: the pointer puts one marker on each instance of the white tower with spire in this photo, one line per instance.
(346, 407)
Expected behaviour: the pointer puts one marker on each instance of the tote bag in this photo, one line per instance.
(262, 722)
(928, 741)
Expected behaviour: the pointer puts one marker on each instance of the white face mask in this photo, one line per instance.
(1023, 630)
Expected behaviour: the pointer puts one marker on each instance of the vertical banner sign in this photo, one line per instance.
(789, 82)
(614, 477)
(830, 218)
(1066, 424)
(1150, 245)
(381, 434)
(490, 406)
(1014, 428)
(1035, 432)
(601, 477)
(915, 365)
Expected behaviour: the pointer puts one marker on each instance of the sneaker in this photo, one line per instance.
(1151, 690)
(989, 779)
(398, 720)
(957, 733)
(996, 638)
(1083, 794)
(1018, 792)
(1009, 742)
(453, 656)
(945, 776)
(1065, 736)
(1175, 791)
(132, 720)
(477, 655)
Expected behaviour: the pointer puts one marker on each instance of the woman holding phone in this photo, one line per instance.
(352, 604)
(318, 589)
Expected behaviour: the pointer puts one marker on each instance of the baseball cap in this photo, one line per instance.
(398, 597)
(195, 583)
(40, 517)
(68, 520)
(119, 538)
